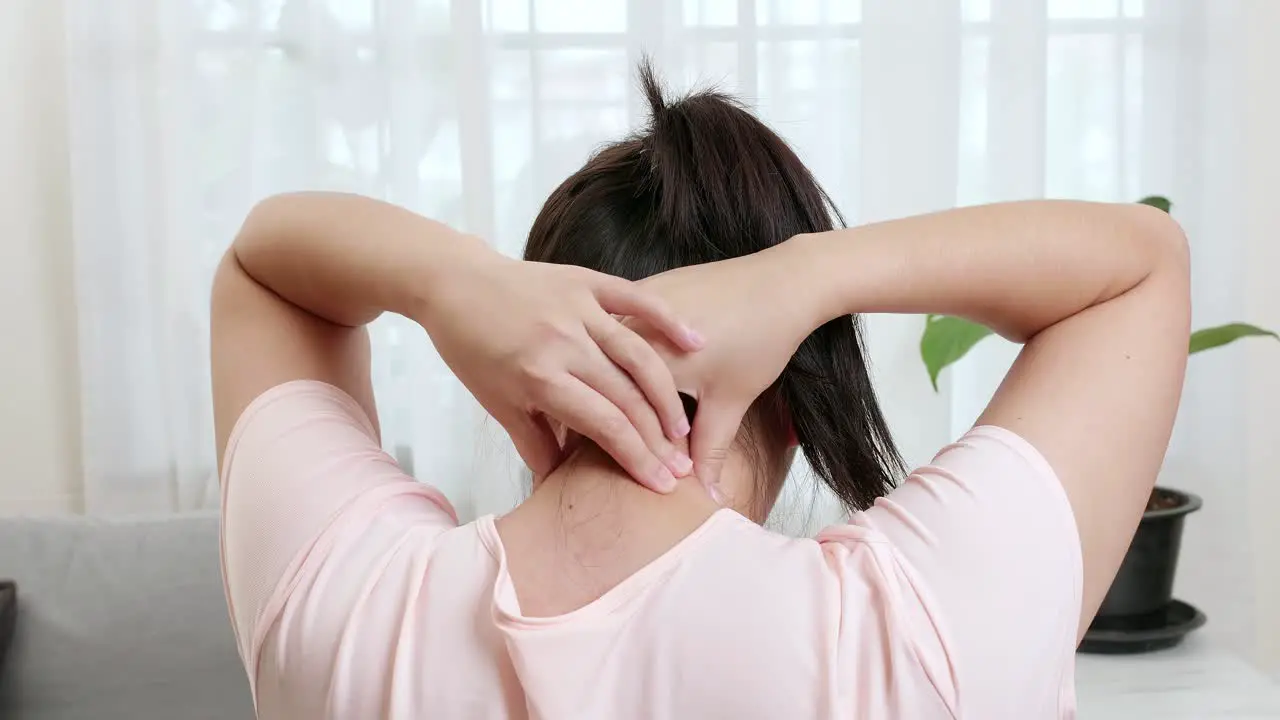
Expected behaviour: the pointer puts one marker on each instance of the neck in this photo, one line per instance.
(588, 525)
(591, 485)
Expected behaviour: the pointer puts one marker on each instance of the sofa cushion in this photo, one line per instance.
(119, 618)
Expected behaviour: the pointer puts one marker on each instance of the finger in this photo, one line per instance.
(637, 357)
(623, 297)
(606, 378)
(588, 413)
(536, 442)
(715, 428)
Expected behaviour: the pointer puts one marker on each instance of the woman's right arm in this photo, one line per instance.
(1100, 295)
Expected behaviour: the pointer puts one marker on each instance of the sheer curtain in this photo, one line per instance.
(183, 114)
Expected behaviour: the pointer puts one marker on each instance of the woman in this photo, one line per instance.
(635, 582)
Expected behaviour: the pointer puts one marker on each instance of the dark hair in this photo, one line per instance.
(703, 181)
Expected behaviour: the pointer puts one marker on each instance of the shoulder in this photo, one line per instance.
(390, 595)
(973, 568)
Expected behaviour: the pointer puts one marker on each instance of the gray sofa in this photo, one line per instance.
(119, 619)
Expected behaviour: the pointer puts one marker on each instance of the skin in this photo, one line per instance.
(1098, 293)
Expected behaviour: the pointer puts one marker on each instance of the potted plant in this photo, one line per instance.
(1138, 612)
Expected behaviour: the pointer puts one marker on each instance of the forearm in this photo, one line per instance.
(1017, 268)
(347, 258)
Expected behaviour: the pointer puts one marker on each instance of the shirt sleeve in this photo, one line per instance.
(985, 543)
(301, 457)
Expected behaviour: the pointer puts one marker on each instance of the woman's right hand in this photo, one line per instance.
(535, 342)
(754, 311)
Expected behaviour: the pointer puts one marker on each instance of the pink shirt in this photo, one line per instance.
(354, 593)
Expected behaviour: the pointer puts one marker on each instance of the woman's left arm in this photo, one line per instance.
(308, 271)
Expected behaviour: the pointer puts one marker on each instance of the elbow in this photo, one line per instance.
(1170, 259)
(257, 243)
(285, 218)
(262, 222)
(228, 287)
(1164, 245)
(1164, 237)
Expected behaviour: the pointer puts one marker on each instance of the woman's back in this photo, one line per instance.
(385, 608)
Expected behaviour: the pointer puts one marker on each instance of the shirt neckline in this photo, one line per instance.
(506, 606)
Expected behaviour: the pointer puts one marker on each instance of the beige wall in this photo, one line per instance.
(39, 423)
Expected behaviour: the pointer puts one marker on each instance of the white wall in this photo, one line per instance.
(39, 422)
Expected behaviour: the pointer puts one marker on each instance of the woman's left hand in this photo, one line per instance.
(535, 341)
(755, 311)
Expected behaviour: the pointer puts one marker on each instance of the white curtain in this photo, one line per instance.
(186, 112)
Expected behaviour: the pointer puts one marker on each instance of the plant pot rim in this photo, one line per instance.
(1190, 503)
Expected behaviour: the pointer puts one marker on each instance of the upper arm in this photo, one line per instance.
(259, 340)
(302, 471)
(305, 488)
(1096, 394)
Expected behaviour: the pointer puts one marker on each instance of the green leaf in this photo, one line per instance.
(1212, 337)
(946, 339)
(1157, 201)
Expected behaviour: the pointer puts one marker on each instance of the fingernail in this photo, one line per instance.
(716, 496)
(665, 481)
(713, 490)
(695, 338)
(682, 427)
(680, 463)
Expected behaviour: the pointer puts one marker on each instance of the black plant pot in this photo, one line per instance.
(1144, 583)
